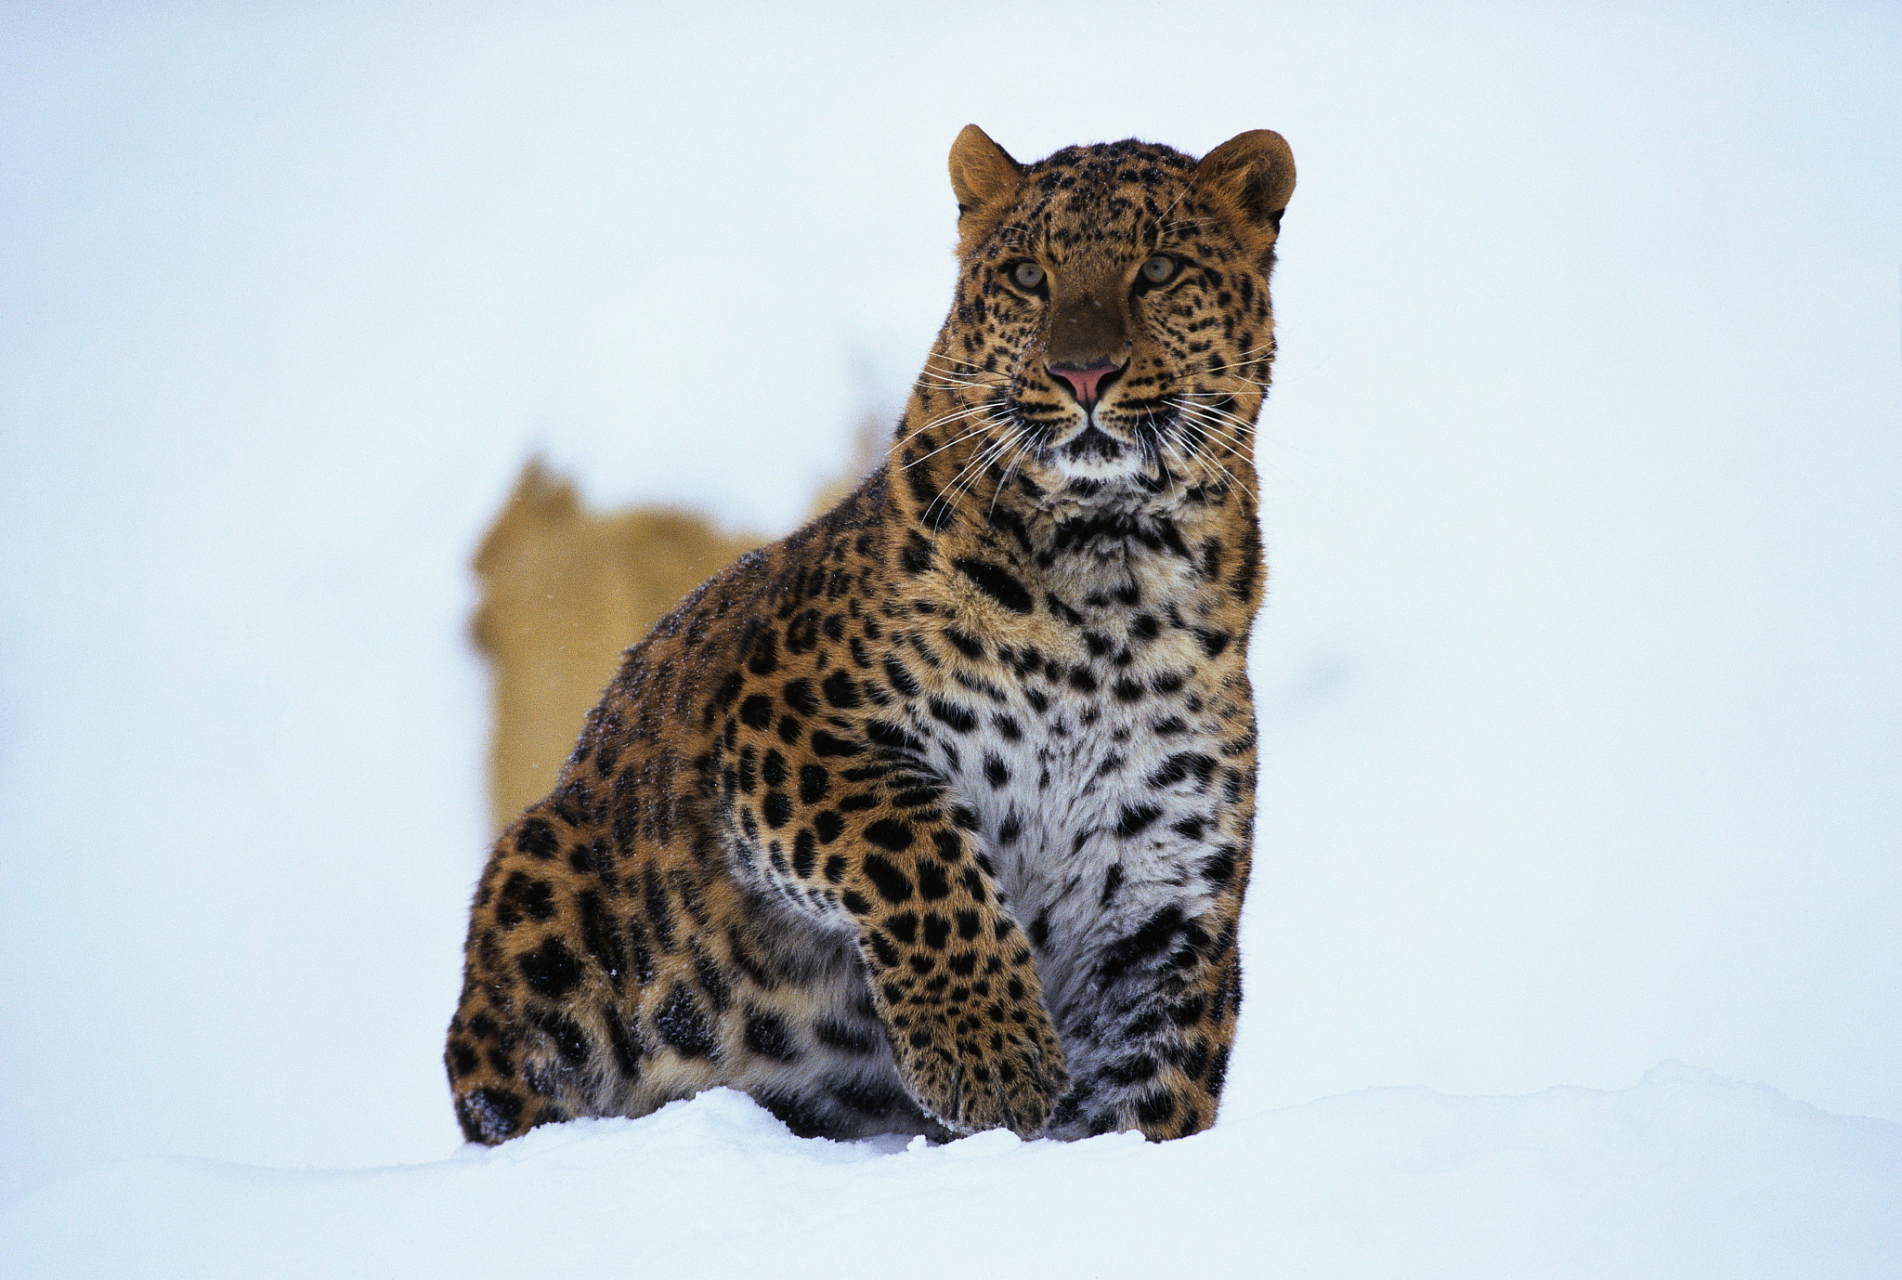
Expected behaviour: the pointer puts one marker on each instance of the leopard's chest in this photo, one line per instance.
(1093, 768)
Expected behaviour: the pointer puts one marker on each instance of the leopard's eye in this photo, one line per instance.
(1160, 269)
(1028, 275)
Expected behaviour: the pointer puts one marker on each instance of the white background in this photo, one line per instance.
(1581, 675)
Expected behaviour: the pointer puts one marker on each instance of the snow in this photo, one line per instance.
(1684, 1174)
(1580, 680)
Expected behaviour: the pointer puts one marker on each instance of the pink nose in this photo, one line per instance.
(1084, 382)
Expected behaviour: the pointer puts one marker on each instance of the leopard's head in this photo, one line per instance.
(1112, 325)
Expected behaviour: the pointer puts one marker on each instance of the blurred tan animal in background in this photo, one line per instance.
(565, 591)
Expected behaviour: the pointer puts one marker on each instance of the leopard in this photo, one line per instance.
(936, 816)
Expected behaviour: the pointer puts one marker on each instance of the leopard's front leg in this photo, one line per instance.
(1150, 1019)
(951, 973)
(1150, 1042)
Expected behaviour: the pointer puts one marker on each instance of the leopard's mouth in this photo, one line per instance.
(1104, 444)
(1094, 450)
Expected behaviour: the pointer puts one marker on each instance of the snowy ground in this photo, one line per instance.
(1684, 1175)
(1581, 675)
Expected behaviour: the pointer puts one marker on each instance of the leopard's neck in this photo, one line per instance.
(1071, 535)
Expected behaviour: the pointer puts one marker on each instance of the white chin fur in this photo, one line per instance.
(1128, 464)
(1095, 463)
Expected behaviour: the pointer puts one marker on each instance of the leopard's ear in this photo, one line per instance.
(1253, 172)
(983, 177)
(981, 171)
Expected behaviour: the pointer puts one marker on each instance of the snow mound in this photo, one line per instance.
(1685, 1174)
